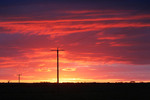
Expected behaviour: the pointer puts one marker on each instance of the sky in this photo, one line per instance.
(103, 40)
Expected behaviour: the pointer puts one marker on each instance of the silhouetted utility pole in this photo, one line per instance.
(19, 78)
(57, 63)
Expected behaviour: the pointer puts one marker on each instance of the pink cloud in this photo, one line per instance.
(61, 27)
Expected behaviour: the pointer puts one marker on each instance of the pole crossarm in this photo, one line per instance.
(57, 50)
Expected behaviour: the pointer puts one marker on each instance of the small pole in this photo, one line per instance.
(19, 78)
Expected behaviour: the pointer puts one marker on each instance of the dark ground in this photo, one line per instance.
(75, 91)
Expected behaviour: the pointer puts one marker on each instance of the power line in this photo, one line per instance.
(57, 63)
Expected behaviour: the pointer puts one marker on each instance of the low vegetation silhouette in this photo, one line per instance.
(77, 91)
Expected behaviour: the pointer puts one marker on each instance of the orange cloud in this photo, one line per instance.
(44, 69)
(69, 69)
(120, 44)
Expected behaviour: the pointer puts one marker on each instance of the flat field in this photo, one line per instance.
(75, 91)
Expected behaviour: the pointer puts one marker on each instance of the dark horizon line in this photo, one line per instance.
(68, 82)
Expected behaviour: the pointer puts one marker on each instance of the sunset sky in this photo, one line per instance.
(104, 40)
